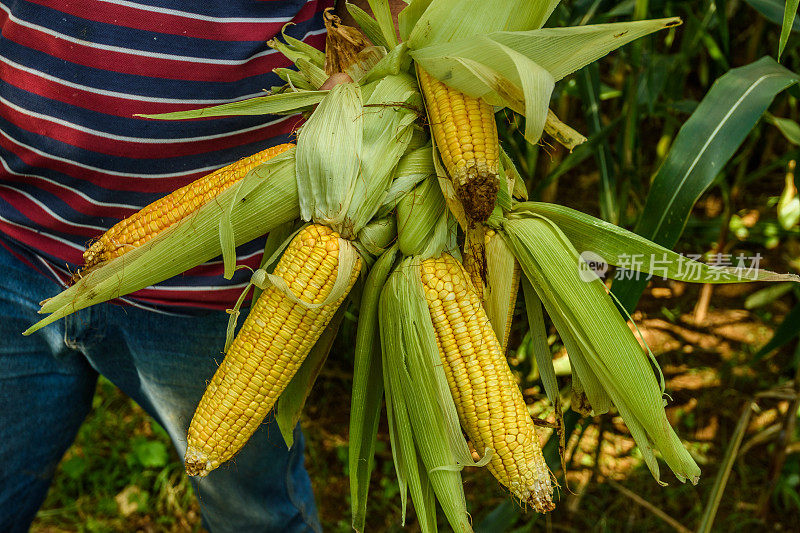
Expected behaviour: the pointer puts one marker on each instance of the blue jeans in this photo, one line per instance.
(163, 362)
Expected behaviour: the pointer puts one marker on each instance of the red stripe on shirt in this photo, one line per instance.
(45, 243)
(170, 24)
(136, 183)
(37, 214)
(102, 144)
(69, 196)
(121, 106)
(140, 63)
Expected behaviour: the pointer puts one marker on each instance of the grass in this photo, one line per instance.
(121, 474)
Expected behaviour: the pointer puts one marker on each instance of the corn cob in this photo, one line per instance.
(466, 135)
(144, 225)
(274, 340)
(489, 403)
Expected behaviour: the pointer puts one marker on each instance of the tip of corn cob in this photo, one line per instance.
(539, 496)
(93, 254)
(478, 193)
(197, 463)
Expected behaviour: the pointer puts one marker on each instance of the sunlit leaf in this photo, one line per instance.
(704, 144)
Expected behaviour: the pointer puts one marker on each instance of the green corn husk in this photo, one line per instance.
(271, 201)
(366, 400)
(295, 79)
(418, 215)
(327, 167)
(295, 49)
(617, 246)
(343, 183)
(412, 168)
(601, 346)
(389, 124)
(501, 53)
(377, 236)
(422, 416)
(501, 287)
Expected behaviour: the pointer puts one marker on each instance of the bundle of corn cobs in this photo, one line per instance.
(398, 183)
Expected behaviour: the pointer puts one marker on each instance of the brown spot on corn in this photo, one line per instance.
(273, 342)
(466, 135)
(152, 219)
(489, 403)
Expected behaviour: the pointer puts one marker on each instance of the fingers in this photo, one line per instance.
(336, 79)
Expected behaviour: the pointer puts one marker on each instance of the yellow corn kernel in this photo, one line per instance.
(266, 352)
(466, 135)
(145, 224)
(489, 403)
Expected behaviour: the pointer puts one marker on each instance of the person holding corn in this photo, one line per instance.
(73, 161)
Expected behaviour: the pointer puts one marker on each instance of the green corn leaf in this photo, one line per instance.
(786, 332)
(293, 398)
(365, 406)
(272, 203)
(774, 11)
(415, 370)
(443, 21)
(767, 295)
(722, 121)
(609, 350)
(383, 16)
(623, 248)
(788, 127)
(789, 14)
(273, 104)
(369, 26)
(517, 69)
(725, 468)
(417, 216)
(329, 156)
(589, 85)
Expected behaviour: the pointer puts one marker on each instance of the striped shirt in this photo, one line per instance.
(74, 159)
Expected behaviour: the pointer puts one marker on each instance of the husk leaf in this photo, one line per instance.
(366, 399)
(417, 216)
(329, 155)
(609, 350)
(271, 203)
(289, 103)
(619, 246)
(293, 398)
